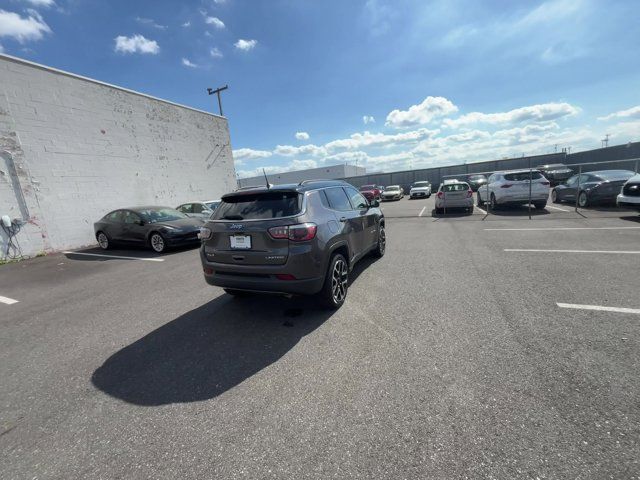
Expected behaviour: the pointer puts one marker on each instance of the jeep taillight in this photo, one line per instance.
(295, 233)
(469, 193)
(440, 194)
(302, 232)
(279, 232)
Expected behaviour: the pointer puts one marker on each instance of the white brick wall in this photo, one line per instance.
(81, 148)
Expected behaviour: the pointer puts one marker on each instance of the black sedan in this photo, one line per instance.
(155, 227)
(601, 187)
(556, 173)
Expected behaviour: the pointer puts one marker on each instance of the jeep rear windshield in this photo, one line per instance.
(259, 206)
(522, 176)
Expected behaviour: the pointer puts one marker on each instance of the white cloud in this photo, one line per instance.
(534, 113)
(136, 44)
(290, 150)
(302, 136)
(186, 24)
(245, 45)
(219, 2)
(421, 114)
(150, 22)
(366, 119)
(215, 21)
(31, 27)
(215, 52)
(368, 139)
(250, 154)
(41, 3)
(188, 63)
(633, 112)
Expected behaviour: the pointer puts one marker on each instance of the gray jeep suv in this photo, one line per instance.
(291, 239)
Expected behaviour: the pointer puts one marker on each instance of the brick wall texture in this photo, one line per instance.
(72, 149)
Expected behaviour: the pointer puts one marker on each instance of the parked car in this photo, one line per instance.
(371, 192)
(476, 181)
(420, 190)
(512, 188)
(556, 173)
(155, 227)
(600, 187)
(454, 194)
(393, 192)
(201, 210)
(291, 239)
(629, 195)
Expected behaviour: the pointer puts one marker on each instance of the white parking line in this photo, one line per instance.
(7, 300)
(483, 211)
(557, 228)
(422, 211)
(624, 252)
(115, 256)
(558, 208)
(599, 308)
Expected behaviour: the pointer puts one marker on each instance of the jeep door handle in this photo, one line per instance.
(343, 219)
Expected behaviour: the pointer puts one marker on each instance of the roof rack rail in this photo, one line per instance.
(304, 182)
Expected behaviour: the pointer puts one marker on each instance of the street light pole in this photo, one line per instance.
(217, 91)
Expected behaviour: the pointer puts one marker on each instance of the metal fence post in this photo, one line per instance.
(578, 189)
(636, 169)
(487, 203)
(530, 179)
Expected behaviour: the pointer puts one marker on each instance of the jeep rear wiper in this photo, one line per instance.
(233, 217)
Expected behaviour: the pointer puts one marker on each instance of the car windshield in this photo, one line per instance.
(367, 187)
(456, 187)
(155, 215)
(392, 188)
(477, 177)
(256, 206)
(421, 184)
(212, 205)
(522, 176)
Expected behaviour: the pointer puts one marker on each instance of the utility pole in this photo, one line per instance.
(605, 140)
(217, 91)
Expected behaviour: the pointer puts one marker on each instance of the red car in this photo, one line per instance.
(370, 192)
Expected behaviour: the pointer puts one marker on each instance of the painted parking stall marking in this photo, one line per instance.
(116, 256)
(7, 300)
(558, 208)
(557, 228)
(599, 308)
(422, 211)
(538, 250)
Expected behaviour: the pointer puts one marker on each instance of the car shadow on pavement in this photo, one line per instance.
(87, 254)
(211, 349)
(451, 213)
(518, 211)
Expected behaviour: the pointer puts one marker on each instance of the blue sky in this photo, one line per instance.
(387, 84)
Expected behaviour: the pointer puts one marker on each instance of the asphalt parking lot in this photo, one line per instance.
(503, 348)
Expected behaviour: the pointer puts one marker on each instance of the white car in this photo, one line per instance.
(630, 193)
(420, 190)
(201, 210)
(393, 192)
(512, 188)
(454, 194)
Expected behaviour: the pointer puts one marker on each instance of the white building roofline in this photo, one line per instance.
(11, 58)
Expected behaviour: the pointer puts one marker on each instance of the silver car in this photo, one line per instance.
(202, 210)
(454, 194)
